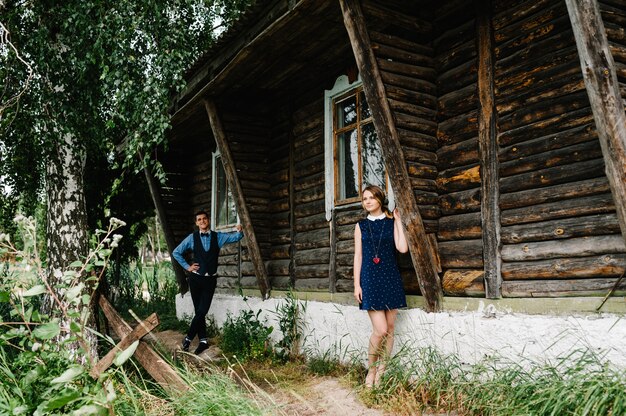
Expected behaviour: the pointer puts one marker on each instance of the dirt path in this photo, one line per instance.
(324, 395)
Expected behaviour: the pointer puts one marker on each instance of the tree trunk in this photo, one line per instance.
(66, 221)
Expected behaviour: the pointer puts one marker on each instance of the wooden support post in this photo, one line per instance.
(140, 330)
(155, 192)
(292, 207)
(428, 279)
(242, 209)
(332, 268)
(154, 364)
(488, 152)
(602, 87)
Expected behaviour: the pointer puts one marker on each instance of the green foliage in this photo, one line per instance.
(145, 289)
(426, 380)
(245, 337)
(289, 314)
(42, 356)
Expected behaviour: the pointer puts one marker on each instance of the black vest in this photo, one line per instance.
(206, 259)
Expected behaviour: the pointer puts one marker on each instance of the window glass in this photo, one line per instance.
(225, 208)
(358, 157)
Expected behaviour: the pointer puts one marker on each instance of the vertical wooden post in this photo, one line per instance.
(602, 87)
(428, 279)
(155, 192)
(332, 268)
(292, 208)
(242, 209)
(488, 151)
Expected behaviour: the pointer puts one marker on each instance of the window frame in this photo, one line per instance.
(343, 88)
(216, 162)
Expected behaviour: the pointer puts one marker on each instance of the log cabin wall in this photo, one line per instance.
(614, 18)
(459, 233)
(311, 236)
(560, 235)
(280, 265)
(248, 137)
(400, 34)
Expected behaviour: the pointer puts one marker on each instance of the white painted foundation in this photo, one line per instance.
(344, 330)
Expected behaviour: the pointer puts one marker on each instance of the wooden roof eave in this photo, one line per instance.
(222, 63)
(419, 246)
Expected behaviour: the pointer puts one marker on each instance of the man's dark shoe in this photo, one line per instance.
(186, 344)
(203, 345)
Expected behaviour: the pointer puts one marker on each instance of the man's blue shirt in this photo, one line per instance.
(187, 244)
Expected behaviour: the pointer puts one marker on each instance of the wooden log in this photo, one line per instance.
(402, 68)
(457, 102)
(409, 96)
(553, 176)
(571, 247)
(458, 179)
(350, 217)
(463, 282)
(561, 288)
(461, 254)
(457, 56)
(302, 182)
(488, 153)
(397, 42)
(602, 224)
(242, 208)
(577, 153)
(532, 113)
(458, 154)
(154, 364)
(309, 208)
(139, 332)
(457, 78)
(460, 227)
(412, 109)
(312, 239)
(548, 143)
(604, 95)
(606, 265)
(513, 12)
(596, 204)
(547, 126)
(416, 124)
(312, 222)
(409, 83)
(397, 54)
(460, 202)
(410, 138)
(458, 129)
(374, 87)
(319, 256)
(554, 193)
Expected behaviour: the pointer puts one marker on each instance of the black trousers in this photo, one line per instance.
(202, 289)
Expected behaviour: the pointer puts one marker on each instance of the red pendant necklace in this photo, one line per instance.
(376, 259)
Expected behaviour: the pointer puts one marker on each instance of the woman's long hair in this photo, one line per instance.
(379, 195)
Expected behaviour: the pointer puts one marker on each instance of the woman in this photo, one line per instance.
(377, 283)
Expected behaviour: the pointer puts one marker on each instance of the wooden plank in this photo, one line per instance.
(154, 364)
(560, 288)
(242, 208)
(570, 247)
(155, 193)
(421, 255)
(332, 268)
(602, 87)
(464, 282)
(139, 332)
(488, 153)
(602, 266)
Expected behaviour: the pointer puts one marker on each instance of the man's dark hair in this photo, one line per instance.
(201, 212)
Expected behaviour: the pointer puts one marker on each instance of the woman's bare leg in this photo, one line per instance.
(390, 320)
(379, 332)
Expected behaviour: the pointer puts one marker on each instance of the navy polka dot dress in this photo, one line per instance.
(380, 282)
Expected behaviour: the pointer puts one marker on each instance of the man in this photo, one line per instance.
(205, 245)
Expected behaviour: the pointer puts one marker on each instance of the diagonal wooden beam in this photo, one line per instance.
(144, 328)
(602, 87)
(155, 192)
(488, 150)
(154, 364)
(242, 209)
(374, 89)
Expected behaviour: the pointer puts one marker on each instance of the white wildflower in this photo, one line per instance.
(58, 274)
(19, 217)
(2, 237)
(116, 222)
(36, 346)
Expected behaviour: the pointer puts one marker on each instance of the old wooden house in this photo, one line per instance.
(497, 126)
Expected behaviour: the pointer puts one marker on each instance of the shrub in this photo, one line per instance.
(246, 337)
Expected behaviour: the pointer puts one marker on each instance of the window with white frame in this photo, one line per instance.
(223, 208)
(353, 155)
